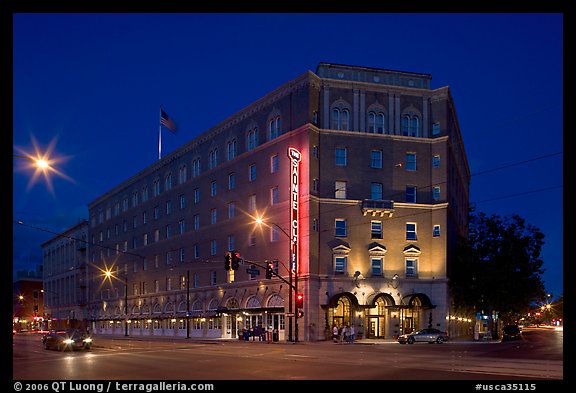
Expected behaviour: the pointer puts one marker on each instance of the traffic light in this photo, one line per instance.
(299, 300)
(269, 270)
(235, 260)
(227, 261)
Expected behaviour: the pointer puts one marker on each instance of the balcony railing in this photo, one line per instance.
(380, 207)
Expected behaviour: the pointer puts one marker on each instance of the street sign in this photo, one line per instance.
(253, 271)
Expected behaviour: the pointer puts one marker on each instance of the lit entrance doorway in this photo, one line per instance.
(381, 321)
(340, 311)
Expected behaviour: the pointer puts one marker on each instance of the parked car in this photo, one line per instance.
(511, 332)
(63, 340)
(428, 335)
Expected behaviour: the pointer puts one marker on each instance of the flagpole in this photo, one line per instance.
(160, 135)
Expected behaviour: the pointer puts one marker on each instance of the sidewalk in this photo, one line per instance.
(208, 340)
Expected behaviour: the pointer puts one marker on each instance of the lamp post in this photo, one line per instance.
(293, 287)
(108, 274)
(57, 303)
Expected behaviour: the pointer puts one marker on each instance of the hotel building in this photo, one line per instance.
(356, 177)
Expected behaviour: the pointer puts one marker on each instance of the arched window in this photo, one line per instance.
(375, 122)
(274, 128)
(410, 125)
(252, 137)
(340, 119)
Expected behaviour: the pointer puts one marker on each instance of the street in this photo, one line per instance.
(538, 356)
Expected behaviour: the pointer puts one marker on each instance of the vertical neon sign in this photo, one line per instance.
(294, 156)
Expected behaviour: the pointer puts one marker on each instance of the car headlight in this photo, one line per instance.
(88, 340)
(68, 341)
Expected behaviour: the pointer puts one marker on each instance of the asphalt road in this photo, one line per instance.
(537, 357)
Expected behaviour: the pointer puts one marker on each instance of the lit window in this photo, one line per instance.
(340, 264)
(411, 267)
(340, 190)
(411, 231)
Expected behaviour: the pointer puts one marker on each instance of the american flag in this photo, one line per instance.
(166, 121)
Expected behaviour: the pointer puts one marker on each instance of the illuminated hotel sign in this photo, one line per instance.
(294, 156)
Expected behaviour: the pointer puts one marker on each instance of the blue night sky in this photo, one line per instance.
(89, 86)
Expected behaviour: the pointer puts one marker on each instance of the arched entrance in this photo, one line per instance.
(381, 322)
(412, 312)
(341, 309)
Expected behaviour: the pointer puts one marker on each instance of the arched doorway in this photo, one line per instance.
(341, 309)
(412, 312)
(381, 322)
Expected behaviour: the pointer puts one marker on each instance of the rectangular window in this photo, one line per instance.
(231, 210)
(252, 172)
(213, 190)
(182, 255)
(274, 163)
(436, 193)
(376, 191)
(436, 231)
(340, 227)
(274, 234)
(376, 266)
(376, 159)
(168, 231)
(196, 222)
(182, 201)
(410, 194)
(341, 157)
(196, 195)
(436, 129)
(411, 267)
(213, 248)
(196, 251)
(168, 258)
(411, 231)
(274, 195)
(182, 226)
(213, 216)
(252, 203)
(231, 181)
(156, 212)
(144, 217)
(231, 242)
(340, 265)
(196, 280)
(157, 235)
(376, 229)
(410, 161)
(340, 189)
(213, 277)
(168, 207)
(436, 161)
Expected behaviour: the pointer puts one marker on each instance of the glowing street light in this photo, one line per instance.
(42, 163)
(109, 276)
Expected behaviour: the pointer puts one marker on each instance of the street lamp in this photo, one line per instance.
(108, 274)
(55, 302)
(293, 287)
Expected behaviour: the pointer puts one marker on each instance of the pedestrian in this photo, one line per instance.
(351, 335)
(343, 335)
(335, 334)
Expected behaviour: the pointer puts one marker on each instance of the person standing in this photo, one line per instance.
(335, 334)
(344, 334)
(351, 335)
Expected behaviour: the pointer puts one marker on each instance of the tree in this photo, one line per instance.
(498, 268)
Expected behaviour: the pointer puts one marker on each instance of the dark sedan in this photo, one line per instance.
(424, 335)
(511, 332)
(67, 340)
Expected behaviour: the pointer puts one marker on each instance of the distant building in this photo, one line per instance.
(65, 281)
(361, 171)
(27, 303)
